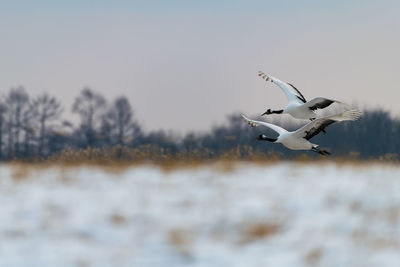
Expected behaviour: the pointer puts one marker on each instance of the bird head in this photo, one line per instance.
(268, 112)
(263, 137)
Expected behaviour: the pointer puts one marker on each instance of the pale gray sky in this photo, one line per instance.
(185, 65)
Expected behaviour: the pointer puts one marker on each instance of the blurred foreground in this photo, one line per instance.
(287, 214)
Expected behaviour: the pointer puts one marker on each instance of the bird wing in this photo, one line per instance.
(254, 123)
(321, 102)
(316, 126)
(291, 92)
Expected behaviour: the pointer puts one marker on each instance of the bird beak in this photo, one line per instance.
(265, 113)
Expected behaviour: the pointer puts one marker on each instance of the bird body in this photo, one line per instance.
(298, 110)
(298, 107)
(299, 139)
(295, 143)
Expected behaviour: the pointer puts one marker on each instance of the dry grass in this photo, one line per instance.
(119, 159)
(165, 159)
(182, 240)
(313, 256)
(254, 232)
(118, 219)
(20, 172)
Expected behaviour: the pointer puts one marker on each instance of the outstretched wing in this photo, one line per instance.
(291, 92)
(316, 126)
(321, 102)
(254, 123)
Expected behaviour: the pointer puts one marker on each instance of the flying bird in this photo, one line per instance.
(299, 139)
(297, 106)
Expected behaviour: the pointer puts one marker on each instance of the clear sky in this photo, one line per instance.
(185, 65)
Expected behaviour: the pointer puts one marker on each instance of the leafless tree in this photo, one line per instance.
(3, 110)
(120, 117)
(29, 129)
(17, 102)
(45, 109)
(89, 106)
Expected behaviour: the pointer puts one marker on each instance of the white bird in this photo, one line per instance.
(299, 139)
(297, 106)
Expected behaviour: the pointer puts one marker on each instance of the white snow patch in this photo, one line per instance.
(287, 214)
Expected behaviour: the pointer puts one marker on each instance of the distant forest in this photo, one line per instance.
(31, 129)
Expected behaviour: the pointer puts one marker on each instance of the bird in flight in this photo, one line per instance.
(298, 106)
(299, 139)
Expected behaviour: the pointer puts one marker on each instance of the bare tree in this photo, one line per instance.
(45, 109)
(3, 110)
(17, 102)
(106, 130)
(28, 127)
(119, 120)
(89, 106)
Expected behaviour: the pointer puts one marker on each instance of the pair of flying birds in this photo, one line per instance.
(299, 107)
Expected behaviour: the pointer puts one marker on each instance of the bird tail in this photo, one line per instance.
(350, 115)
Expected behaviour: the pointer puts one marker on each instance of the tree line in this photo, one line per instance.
(32, 128)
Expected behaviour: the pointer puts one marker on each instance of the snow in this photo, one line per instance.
(286, 214)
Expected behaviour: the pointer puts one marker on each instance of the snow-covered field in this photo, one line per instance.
(274, 215)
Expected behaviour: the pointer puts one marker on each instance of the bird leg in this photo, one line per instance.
(320, 151)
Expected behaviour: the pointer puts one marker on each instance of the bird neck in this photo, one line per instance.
(277, 111)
